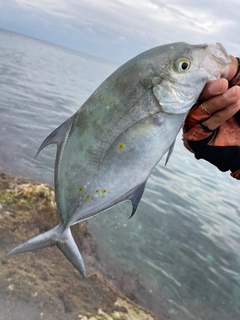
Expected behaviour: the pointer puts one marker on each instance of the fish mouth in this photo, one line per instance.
(216, 61)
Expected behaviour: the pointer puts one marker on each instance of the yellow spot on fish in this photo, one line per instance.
(80, 189)
(96, 191)
(88, 196)
(104, 191)
(121, 146)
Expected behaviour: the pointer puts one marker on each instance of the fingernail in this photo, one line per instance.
(233, 106)
(229, 94)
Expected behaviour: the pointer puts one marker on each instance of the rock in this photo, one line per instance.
(11, 287)
(44, 283)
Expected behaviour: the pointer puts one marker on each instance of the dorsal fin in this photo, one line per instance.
(170, 150)
(135, 197)
(56, 136)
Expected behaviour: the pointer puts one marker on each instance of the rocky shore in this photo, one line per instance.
(43, 284)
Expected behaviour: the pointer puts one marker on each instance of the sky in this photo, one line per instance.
(117, 30)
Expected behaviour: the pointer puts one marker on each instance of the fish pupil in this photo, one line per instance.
(184, 66)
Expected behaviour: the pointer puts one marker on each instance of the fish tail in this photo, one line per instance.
(63, 240)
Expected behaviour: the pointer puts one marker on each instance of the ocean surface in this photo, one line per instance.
(184, 240)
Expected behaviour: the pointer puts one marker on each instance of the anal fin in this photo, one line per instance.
(135, 197)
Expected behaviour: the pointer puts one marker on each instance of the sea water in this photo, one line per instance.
(184, 238)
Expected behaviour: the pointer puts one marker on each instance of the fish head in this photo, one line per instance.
(186, 70)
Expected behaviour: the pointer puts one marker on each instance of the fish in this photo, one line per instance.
(107, 150)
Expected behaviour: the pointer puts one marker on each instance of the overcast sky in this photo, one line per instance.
(117, 30)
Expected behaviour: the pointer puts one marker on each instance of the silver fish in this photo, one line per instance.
(109, 147)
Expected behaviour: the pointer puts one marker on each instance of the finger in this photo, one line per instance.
(230, 97)
(221, 116)
(233, 68)
(219, 86)
(214, 88)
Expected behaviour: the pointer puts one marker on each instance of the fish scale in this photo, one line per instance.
(107, 150)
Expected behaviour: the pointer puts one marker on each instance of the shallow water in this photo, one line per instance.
(184, 238)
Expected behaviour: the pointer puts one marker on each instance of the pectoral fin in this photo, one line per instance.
(170, 150)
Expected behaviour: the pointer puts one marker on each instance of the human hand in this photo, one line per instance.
(221, 103)
(212, 127)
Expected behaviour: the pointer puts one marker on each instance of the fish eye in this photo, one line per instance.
(182, 64)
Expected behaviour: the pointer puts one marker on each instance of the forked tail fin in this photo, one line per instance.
(64, 241)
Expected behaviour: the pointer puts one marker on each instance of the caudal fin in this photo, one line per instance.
(64, 241)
